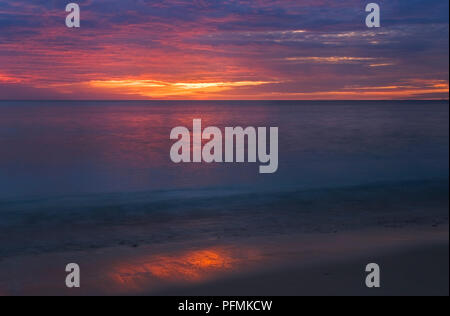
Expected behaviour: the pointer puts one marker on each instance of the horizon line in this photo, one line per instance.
(213, 100)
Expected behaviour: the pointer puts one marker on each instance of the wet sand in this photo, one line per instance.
(414, 261)
(419, 271)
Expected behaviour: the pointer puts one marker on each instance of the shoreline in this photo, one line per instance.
(416, 271)
(293, 264)
(139, 220)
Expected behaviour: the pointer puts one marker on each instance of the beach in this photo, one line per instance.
(411, 271)
(92, 183)
(412, 261)
(242, 249)
(224, 148)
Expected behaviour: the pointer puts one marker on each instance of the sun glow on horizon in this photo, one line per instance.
(243, 50)
(154, 88)
(212, 90)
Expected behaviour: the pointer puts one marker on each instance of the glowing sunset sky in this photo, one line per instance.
(234, 49)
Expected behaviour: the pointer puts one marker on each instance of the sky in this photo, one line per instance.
(224, 50)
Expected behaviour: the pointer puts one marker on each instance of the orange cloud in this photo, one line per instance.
(332, 59)
(207, 53)
(9, 79)
(153, 88)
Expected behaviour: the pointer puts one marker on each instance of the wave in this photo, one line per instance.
(131, 219)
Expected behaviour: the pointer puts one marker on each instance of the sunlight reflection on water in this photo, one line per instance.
(180, 267)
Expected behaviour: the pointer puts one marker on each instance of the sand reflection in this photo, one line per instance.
(180, 267)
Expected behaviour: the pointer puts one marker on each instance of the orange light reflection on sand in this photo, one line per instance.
(184, 267)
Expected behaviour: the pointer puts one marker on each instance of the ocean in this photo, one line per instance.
(76, 175)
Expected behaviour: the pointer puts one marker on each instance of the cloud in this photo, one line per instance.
(221, 49)
(151, 88)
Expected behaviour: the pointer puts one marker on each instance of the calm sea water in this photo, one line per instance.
(65, 148)
(87, 175)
